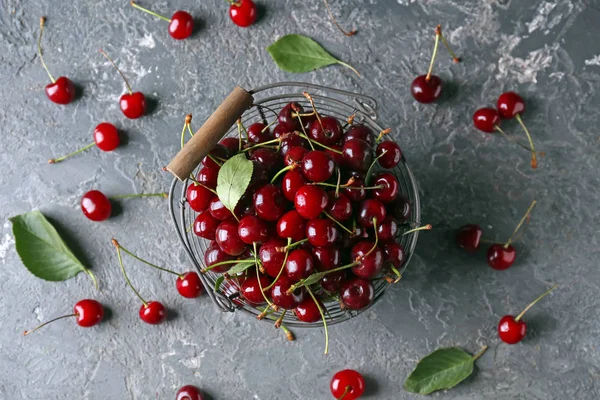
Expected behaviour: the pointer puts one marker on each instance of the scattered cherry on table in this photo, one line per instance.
(347, 384)
(106, 138)
(468, 237)
(189, 392)
(132, 104)
(511, 105)
(87, 312)
(242, 12)
(181, 24)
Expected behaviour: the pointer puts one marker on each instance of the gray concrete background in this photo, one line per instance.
(546, 50)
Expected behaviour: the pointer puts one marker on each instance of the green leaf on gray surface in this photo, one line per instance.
(233, 180)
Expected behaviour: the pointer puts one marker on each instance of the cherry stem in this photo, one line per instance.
(337, 185)
(337, 222)
(455, 59)
(510, 240)
(204, 270)
(186, 125)
(435, 49)
(349, 187)
(534, 302)
(347, 390)
(128, 196)
(376, 240)
(312, 104)
(201, 184)
(287, 252)
(368, 174)
(263, 144)
(273, 306)
(59, 159)
(302, 124)
(280, 319)
(533, 154)
(351, 33)
(496, 127)
(214, 159)
(318, 144)
(398, 274)
(48, 322)
(118, 70)
(427, 227)
(476, 356)
(382, 134)
(296, 244)
(149, 12)
(146, 262)
(42, 22)
(323, 318)
(288, 334)
(116, 244)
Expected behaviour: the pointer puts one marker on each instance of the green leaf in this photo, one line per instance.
(314, 278)
(218, 282)
(442, 369)
(241, 267)
(233, 180)
(42, 250)
(298, 53)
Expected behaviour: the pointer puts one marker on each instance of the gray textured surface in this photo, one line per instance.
(546, 50)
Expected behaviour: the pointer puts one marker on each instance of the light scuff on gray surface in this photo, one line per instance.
(546, 50)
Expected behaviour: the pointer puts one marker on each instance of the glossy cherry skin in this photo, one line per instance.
(310, 201)
(468, 237)
(327, 130)
(214, 255)
(327, 258)
(62, 91)
(258, 133)
(219, 151)
(501, 258)
(339, 207)
(218, 210)
(350, 379)
(336, 156)
(322, 232)
(285, 118)
(181, 25)
(356, 195)
(96, 206)
(198, 197)
(486, 119)
(291, 182)
(511, 331)
(252, 229)
(392, 155)
(89, 312)
(369, 265)
(272, 256)
(228, 239)
(390, 189)
(232, 144)
(291, 225)
(425, 91)
(387, 229)
(371, 209)
(394, 254)
(189, 285)
(251, 289)
(205, 225)
(133, 105)
(243, 13)
(400, 209)
(189, 392)
(208, 176)
(357, 154)
(308, 311)
(267, 157)
(299, 265)
(357, 293)
(510, 104)
(332, 282)
(106, 136)
(280, 296)
(361, 132)
(269, 203)
(294, 155)
(317, 166)
(153, 313)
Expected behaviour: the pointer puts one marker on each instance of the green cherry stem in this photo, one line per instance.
(510, 239)
(299, 116)
(282, 171)
(347, 390)
(287, 252)
(241, 127)
(118, 70)
(49, 322)
(302, 135)
(116, 244)
(312, 104)
(59, 159)
(496, 127)
(263, 144)
(186, 126)
(438, 31)
(349, 187)
(146, 262)
(149, 12)
(322, 317)
(533, 154)
(280, 319)
(204, 270)
(376, 239)
(480, 353)
(42, 23)
(533, 303)
(201, 184)
(382, 134)
(337, 222)
(295, 244)
(427, 227)
(435, 49)
(288, 334)
(368, 174)
(129, 196)
(273, 306)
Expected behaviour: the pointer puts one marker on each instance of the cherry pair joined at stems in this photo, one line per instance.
(88, 313)
(97, 207)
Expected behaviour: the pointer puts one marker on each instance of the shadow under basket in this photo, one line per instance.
(266, 101)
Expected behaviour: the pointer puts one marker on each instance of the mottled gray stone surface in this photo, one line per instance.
(546, 50)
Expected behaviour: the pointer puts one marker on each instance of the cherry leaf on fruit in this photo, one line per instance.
(314, 278)
(298, 53)
(42, 250)
(241, 267)
(218, 282)
(233, 180)
(442, 369)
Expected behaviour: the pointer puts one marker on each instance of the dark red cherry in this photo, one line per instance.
(199, 197)
(347, 384)
(357, 154)
(371, 209)
(291, 182)
(392, 155)
(242, 13)
(232, 144)
(189, 392)
(370, 263)
(400, 209)
(258, 133)
(218, 210)
(501, 257)
(205, 225)
(286, 118)
(486, 119)
(322, 232)
(228, 239)
(308, 311)
(291, 225)
(89, 312)
(339, 207)
(214, 255)
(387, 230)
(510, 330)
(252, 229)
(317, 166)
(272, 256)
(96, 206)
(133, 105)
(299, 265)
(389, 191)
(245, 207)
(106, 136)
(336, 156)
(291, 140)
(332, 282)
(326, 130)
(394, 254)
(356, 195)
(62, 91)
(327, 258)
(310, 201)
(425, 91)
(281, 297)
(189, 285)
(294, 155)
(510, 104)
(251, 289)
(153, 313)
(260, 176)
(219, 151)
(181, 25)
(357, 293)
(361, 132)
(208, 176)
(267, 157)
(269, 203)
(468, 237)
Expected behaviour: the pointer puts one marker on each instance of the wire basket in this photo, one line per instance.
(267, 101)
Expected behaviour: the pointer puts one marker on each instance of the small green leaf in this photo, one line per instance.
(298, 53)
(218, 282)
(241, 267)
(314, 278)
(233, 180)
(442, 369)
(42, 250)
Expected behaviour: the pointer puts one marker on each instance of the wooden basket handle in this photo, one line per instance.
(209, 134)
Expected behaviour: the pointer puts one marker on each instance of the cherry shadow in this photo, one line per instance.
(108, 314)
(72, 243)
(117, 208)
(261, 12)
(450, 91)
(78, 91)
(207, 395)
(123, 136)
(152, 105)
(172, 314)
(199, 25)
(371, 386)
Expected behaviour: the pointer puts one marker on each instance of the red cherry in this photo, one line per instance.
(62, 91)
(327, 258)
(511, 331)
(153, 313)
(294, 155)
(291, 225)
(310, 201)
(347, 384)
(317, 166)
(371, 209)
(272, 256)
(468, 237)
(189, 392)
(501, 257)
(336, 156)
(370, 262)
(394, 254)
(486, 119)
(357, 293)
(356, 195)
(219, 151)
(89, 312)
(242, 12)
(291, 182)
(392, 155)
(390, 189)
(232, 144)
(258, 133)
(333, 281)
(510, 104)
(208, 176)
(250, 289)
(281, 297)
(400, 209)
(205, 225)
(106, 136)
(322, 232)
(218, 210)
(308, 311)
(357, 154)
(426, 91)
(267, 157)
(339, 207)
(285, 118)
(252, 229)
(214, 255)
(198, 197)
(361, 132)
(189, 285)
(326, 130)
(299, 265)
(228, 239)
(181, 25)
(133, 105)
(387, 229)
(269, 203)
(96, 206)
